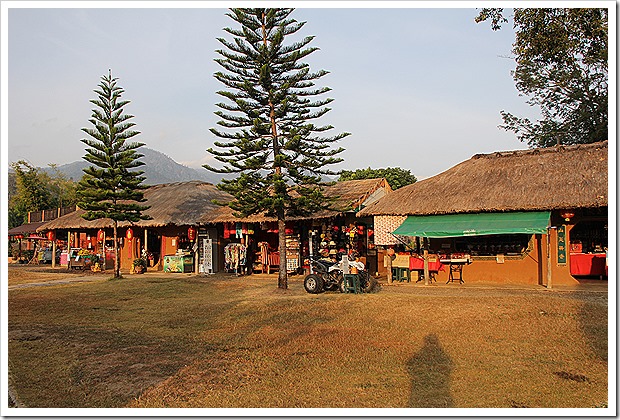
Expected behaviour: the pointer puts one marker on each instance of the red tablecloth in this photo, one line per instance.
(587, 264)
(416, 263)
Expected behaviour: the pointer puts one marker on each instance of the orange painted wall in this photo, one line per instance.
(531, 270)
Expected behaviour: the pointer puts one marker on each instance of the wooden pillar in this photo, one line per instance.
(69, 244)
(54, 252)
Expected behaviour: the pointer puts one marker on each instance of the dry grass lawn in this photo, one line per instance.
(223, 341)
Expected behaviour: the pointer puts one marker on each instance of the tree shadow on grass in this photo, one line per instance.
(430, 370)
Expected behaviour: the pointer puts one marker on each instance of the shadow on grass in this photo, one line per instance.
(593, 316)
(430, 370)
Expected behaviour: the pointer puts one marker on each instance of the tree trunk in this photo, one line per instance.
(282, 275)
(117, 263)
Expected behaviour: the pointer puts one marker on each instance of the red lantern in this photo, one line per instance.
(20, 236)
(191, 233)
(51, 235)
(100, 235)
(129, 234)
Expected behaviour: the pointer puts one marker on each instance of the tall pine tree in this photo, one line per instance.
(269, 137)
(110, 188)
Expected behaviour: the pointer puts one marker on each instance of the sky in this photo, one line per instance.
(419, 88)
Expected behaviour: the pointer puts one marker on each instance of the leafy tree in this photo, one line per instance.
(396, 177)
(32, 192)
(269, 137)
(561, 56)
(33, 189)
(111, 187)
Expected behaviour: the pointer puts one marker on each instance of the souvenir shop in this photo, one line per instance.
(253, 247)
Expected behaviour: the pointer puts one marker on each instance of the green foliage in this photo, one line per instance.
(396, 177)
(33, 189)
(110, 188)
(269, 137)
(561, 56)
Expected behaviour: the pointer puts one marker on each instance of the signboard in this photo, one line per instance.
(206, 263)
(562, 245)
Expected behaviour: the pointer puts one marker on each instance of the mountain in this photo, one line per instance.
(158, 169)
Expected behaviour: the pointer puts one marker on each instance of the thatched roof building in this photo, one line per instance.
(349, 196)
(178, 203)
(191, 203)
(523, 180)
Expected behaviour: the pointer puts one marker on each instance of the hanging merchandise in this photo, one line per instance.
(239, 230)
(235, 257)
(226, 230)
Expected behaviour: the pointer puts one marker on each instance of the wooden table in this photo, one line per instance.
(588, 264)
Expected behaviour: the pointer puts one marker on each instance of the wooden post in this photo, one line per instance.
(54, 252)
(549, 258)
(69, 250)
(426, 271)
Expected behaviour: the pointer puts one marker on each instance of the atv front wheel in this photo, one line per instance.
(313, 283)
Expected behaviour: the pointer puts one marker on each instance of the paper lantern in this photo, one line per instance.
(51, 235)
(129, 234)
(191, 233)
(100, 235)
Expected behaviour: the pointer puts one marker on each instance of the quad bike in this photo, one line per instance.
(328, 276)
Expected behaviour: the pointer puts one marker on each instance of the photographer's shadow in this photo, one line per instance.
(430, 371)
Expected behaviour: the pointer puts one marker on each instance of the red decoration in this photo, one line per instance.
(567, 215)
(129, 234)
(20, 236)
(51, 235)
(191, 233)
(100, 235)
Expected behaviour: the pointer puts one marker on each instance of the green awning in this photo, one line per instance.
(476, 224)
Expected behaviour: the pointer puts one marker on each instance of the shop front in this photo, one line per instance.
(510, 247)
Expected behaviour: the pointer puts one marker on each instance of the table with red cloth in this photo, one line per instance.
(588, 264)
(417, 264)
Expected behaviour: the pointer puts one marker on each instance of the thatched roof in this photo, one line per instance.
(349, 196)
(523, 180)
(191, 203)
(178, 203)
(25, 229)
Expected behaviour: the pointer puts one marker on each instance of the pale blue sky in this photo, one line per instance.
(418, 88)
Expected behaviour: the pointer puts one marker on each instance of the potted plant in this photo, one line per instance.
(139, 265)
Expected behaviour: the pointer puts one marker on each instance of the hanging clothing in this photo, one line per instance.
(234, 256)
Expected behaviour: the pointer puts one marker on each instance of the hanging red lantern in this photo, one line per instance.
(20, 236)
(100, 235)
(51, 235)
(191, 233)
(129, 234)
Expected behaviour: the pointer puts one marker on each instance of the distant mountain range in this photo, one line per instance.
(158, 169)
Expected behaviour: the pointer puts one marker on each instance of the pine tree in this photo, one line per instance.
(270, 139)
(110, 188)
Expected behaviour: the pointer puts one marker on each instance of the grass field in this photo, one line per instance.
(224, 341)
